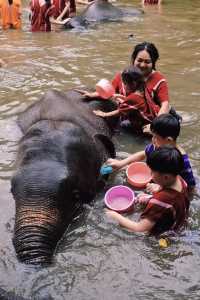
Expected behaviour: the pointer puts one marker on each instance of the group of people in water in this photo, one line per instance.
(142, 99)
(141, 91)
(43, 13)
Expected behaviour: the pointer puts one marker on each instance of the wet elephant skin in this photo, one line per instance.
(100, 11)
(57, 168)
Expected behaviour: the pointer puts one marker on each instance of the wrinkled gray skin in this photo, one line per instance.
(99, 11)
(59, 157)
(9, 295)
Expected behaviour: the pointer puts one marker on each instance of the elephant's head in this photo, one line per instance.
(46, 200)
(48, 192)
(58, 165)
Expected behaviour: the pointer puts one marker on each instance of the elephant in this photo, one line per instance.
(57, 169)
(98, 11)
(4, 295)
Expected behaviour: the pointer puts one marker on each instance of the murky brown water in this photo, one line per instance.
(97, 259)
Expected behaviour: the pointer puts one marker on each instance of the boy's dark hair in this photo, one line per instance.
(133, 75)
(166, 125)
(166, 159)
(150, 48)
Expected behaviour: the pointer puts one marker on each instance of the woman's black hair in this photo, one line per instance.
(166, 125)
(133, 75)
(166, 160)
(150, 48)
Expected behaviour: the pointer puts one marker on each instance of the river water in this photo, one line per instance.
(97, 259)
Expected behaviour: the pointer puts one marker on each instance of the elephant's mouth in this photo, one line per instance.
(36, 234)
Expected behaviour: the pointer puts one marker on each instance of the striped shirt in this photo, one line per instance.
(186, 173)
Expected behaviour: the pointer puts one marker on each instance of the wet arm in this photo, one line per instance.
(103, 114)
(144, 225)
(164, 108)
(87, 94)
(117, 164)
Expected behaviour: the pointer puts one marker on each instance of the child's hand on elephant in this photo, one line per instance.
(114, 163)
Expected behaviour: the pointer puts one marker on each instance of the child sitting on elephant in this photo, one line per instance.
(133, 103)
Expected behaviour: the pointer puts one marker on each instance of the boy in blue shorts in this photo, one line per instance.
(165, 131)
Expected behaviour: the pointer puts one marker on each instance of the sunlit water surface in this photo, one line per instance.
(97, 259)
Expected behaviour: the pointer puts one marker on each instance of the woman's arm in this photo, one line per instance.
(103, 114)
(164, 108)
(59, 18)
(144, 225)
(87, 94)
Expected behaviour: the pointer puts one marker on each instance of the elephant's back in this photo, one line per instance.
(71, 107)
(59, 112)
(102, 10)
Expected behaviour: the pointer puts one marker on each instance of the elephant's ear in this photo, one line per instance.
(108, 144)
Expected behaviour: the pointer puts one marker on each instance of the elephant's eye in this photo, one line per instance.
(76, 194)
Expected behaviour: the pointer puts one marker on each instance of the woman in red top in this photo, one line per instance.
(151, 2)
(61, 4)
(42, 10)
(63, 11)
(145, 56)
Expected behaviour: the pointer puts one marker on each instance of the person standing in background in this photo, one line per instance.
(64, 10)
(144, 2)
(10, 14)
(45, 12)
(41, 10)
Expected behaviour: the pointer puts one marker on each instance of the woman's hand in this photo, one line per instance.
(153, 188)
(87, 94)
(99, 113)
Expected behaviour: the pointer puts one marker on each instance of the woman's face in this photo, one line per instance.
(143, 62)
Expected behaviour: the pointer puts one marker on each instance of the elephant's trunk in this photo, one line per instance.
(37, 232)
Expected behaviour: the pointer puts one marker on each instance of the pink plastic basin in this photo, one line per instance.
(119, 198)
(105, 89)
(138, 174)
